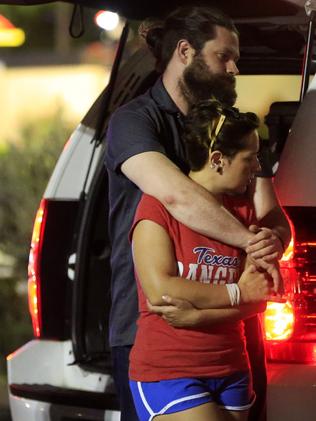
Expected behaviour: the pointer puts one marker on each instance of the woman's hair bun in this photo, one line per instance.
(205, 110)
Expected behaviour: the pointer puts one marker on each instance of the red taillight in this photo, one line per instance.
(279, 318)
(34, 282)
(290, 327)
(279, 321)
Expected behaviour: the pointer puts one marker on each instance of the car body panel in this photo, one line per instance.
(73, 164)
(58, 369)
(296, 163)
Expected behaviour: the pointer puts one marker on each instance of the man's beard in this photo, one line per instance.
(198, 84)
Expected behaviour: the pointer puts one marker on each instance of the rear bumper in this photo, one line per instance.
(45, 383)
(30, 410)
(64, 396)
(291, 392)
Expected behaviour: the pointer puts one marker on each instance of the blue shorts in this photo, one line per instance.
(233, 393)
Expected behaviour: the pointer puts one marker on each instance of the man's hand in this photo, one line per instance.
(264, 253)
(176, 312)
(254, 285)
(265, 244)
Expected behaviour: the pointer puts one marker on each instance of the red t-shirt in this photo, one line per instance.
(163, 352)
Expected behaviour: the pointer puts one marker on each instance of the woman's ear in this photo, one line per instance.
(185, 51)
(216, 160)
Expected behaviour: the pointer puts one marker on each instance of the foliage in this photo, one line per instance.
(32, 20)
(15, 327)
(42, 22)
(25, 167)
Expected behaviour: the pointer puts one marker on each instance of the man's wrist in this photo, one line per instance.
(250, 235)
(278, 235)
(282, 243)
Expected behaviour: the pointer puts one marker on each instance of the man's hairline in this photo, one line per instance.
(216, 25)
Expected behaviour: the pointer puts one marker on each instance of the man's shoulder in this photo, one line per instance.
(142, 105)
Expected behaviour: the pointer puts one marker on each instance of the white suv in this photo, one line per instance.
(64, 373)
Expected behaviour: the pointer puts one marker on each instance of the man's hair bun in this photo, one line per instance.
(152, 32)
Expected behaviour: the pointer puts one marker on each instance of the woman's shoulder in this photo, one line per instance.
(150, 208)
(149, 204)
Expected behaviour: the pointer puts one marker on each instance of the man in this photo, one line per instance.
(197, 50)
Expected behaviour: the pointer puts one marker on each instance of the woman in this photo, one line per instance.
(196, 372)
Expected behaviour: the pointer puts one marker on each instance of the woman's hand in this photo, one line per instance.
(254, 285)
(177, 313)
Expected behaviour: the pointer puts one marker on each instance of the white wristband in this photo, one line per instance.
(234, 294)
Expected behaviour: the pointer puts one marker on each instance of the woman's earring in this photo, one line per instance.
(220, 168)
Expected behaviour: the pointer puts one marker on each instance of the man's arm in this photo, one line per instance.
(271, 215)
(185, 200)
(269, 211)
(135, 150)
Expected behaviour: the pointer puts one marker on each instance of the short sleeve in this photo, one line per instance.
(130, 132)
(151, 209)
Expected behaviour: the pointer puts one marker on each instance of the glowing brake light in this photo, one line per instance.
(288, 253)
(34, 269)
(279, 321)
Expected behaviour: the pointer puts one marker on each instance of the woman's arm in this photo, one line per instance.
(182, 314)
(156, 267)
(242, 312)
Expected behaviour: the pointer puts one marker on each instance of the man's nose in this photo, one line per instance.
(232, 68)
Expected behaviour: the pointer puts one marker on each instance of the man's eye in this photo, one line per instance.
(223, 56)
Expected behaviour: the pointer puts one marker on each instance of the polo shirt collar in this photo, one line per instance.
(162, 98)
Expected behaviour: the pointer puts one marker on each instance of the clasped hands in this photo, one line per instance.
(264, 251)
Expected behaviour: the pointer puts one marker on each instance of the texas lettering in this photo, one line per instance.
(210, 267)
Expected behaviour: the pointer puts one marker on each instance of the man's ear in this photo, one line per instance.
(185, 51)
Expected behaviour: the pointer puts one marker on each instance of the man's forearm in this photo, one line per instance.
(278, 222)
(269, 211)
(196, 208)
(187, 201)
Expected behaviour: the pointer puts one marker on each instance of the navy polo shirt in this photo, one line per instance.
(150, 122)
